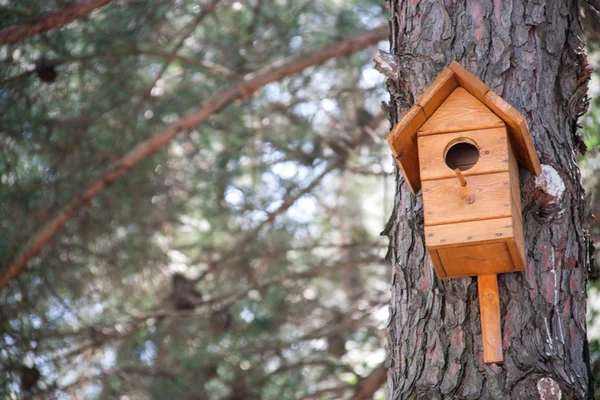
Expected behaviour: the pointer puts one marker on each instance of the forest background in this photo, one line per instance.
(243, 259)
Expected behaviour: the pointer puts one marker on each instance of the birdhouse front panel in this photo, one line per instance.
(469, 225)
(446, 201)
(460, 145)
(490, 153)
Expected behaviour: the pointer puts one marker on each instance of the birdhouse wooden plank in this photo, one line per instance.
(524, 148)
(484, 197)
(461, 145)
(489, 304)
(461, 111)
(481, 259)
(492, 154)
(403, 141)
(440, 89)
(470, 82)
(453, 235)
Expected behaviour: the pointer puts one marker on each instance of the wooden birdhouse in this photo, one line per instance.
(461, 145)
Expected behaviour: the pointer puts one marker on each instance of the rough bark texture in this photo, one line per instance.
(530, 53)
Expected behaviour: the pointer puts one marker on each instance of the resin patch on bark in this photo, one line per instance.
(550, 184)
(549, 389)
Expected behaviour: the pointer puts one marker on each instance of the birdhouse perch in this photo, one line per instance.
(461, 145)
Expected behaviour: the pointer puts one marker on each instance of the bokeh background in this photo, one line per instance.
(241, 261)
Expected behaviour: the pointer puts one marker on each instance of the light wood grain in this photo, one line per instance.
(491, 329)
(469, 233)
(520, 135)
(437, 264)
(492, 145)
(403, 142)
(474, 248)
(446, 83)
(513, 168)
(437, 92)
(460, 112)
(469, 81)
(484, 197)
(517, 246)
(476, 260)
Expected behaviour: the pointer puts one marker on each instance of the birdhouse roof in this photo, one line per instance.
(419, 120)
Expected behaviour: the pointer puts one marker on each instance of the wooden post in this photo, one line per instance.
(489, 308)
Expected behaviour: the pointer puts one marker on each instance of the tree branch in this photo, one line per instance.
(187, 32)
(212, 67)
(16, 33)
(207, 108)
(320, 394)
(590, 19)
(367, 386)
(288, 201)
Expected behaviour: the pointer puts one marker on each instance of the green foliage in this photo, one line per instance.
(278, 268)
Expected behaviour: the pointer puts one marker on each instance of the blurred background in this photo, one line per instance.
(241, 261)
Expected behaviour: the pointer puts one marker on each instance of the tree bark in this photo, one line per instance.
(530, 53)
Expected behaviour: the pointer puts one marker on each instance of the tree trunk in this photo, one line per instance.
(530, 53)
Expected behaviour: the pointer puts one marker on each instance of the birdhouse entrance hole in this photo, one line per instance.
(462, 154)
